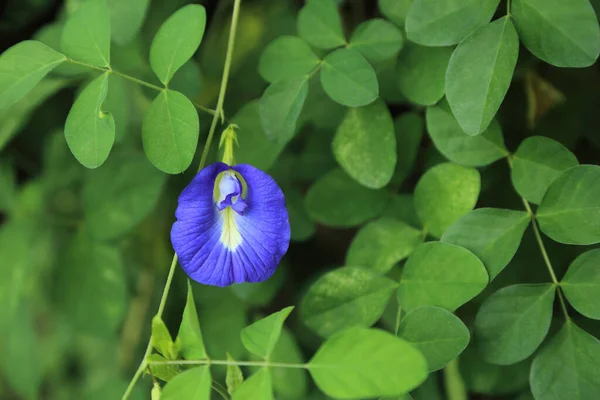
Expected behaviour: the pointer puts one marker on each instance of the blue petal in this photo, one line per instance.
(242, 243)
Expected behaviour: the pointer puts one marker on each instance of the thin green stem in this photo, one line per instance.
(224, 80)
(229, 362)
(540, 242)
(455, 386)
(508, 5)
(136, 80)
(217, 387)
(218, 112)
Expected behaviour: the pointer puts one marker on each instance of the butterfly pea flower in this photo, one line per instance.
(232, 223)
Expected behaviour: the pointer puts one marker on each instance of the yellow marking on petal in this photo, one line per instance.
(230, 235)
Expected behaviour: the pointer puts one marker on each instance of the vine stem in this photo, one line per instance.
(540, 242)
(136, 80)
(217, 113)
(209, 361)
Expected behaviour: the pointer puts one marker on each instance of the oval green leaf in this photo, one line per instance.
(447, 22)
(581, 284)
(562, 33)
(444, 194)
(280, 107)
(442, 275)
(536, 164)
(348, 78)
(86, 35)
(256, 387)
(338, 200)
(286, 57)
(367, 363)
(320, 25)
(513, 322)
(344, 298)
(395, 10)
(460, 148)
(177, 40)
(21, 68)
(409, 129)
(261, 337)
(126, 19)
(90, 132)
(570, 211)
(479, 74)
(437, 333)
(383, 243)
(377, 39)
(492, 234)
(193, 384)
(421, 73)
(567, 368)
(365, 145)
(170, 132)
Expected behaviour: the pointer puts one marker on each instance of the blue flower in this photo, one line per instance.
(232, 225)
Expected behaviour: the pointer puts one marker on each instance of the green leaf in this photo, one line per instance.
(117, 104)
(126, 19)
(161, 339)
(119, 196)
(301, 226)
(536, 164)
(320, 25)
(582, 282)
(447, 22)
(289, 383)
(260, 294)
(345, 297)
(462, 149)
(395, 10)
(381, 244)
(177, 40)
(409, 134)
(253, 145)
(570, 211)
(337, 200)
(441, 274)
(438, 334)
(280, 107)
(479, 74)
(193, 384)
(164, 372)
(91, 287)
(365, 145)
(189, 338)
(444, 194)
(188, 80)
(89, 131)
(260, 337)
(21, 68)
(170, 132)
(377, 39)
(234, 376)
(287, 57)
(367, 363)
(562, 33)
(567, 368)
(86, 35)
(421, 73)
(402, 207)
(8, 189)
(256, 387)
(513, 322)
(348, 78)
(492, 234)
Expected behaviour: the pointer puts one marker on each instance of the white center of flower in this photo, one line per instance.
(230, 235)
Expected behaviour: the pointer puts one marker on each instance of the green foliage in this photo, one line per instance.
(320, 25)
(565, 34)
(234, 376)
(364, 145)
(345, 298)
(436, 333)
(193, 384)
(256, 387)
(170, 132)
(512, 323)
(260, 337)
(479, 74)
(358, 361)
(443, 23)
(570, 210)
(377, 39)
(440, 274)
(126, 19)
(444, 194)
(395, 10)
(580, 284)
(177, 40)
(189, 337)
(536, 164)
(285, 58)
